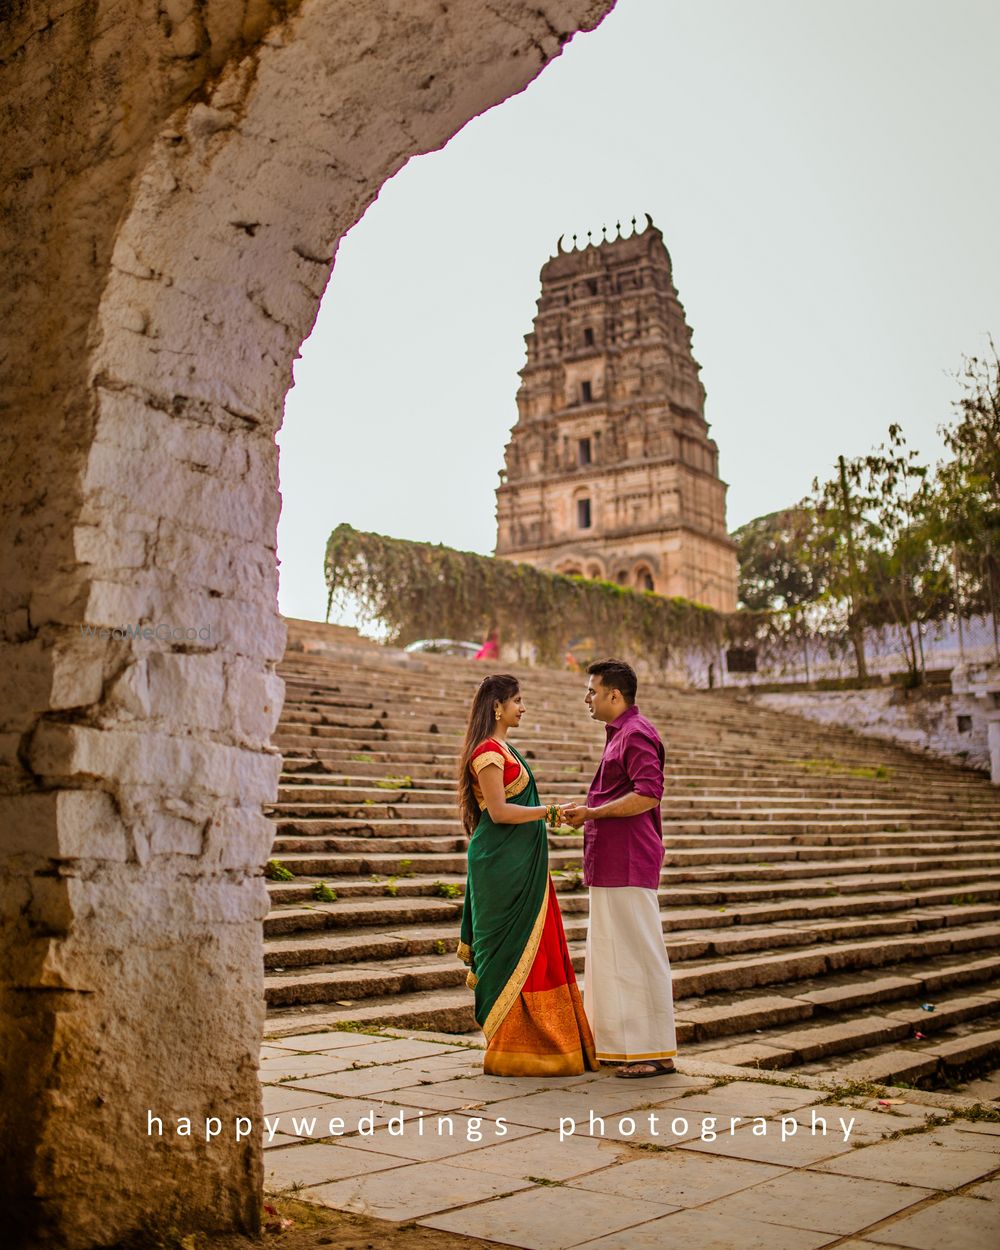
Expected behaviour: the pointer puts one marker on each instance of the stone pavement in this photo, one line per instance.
(406, 1127)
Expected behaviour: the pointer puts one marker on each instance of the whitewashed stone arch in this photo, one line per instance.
(177, 176)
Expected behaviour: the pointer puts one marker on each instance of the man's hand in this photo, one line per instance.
(574, 814)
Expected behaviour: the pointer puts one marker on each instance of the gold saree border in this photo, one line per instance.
(479, 762)
(464, 952)
(609, 1057)
(518, 785)
(506, 997)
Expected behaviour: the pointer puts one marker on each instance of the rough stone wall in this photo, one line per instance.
(177, 175)
(922, 720)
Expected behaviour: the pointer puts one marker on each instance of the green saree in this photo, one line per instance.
(505, 906)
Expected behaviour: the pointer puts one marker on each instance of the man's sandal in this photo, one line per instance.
(655, 1067)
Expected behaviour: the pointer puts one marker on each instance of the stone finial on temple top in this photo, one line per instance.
(563, 250)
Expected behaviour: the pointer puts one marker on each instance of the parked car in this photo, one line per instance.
(443, 646)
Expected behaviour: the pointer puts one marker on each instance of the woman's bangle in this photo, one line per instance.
(552, 814)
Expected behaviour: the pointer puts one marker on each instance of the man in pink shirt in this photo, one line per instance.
(628, 997)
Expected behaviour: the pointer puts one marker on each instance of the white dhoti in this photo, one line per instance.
(627, 994)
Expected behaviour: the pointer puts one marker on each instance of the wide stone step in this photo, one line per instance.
(303, 788)
(811, 898)
(694, 852)
(730, 930)
(681, 943)
(722, 771)
(309, 823)
(405, 975)
(699, 1028)
(413, 972)
(350, 913)
(816, 1043)
(928, 1062)
(438, 1011)
(333, 802)
(707, 977)
(831, 871)
(356, 794)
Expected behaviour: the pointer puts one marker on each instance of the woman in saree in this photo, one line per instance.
(527, 1001)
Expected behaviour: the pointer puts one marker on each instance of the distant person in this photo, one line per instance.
(490, 650)
(627, 991)
(528, 1003)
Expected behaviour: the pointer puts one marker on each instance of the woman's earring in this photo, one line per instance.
(497, 714)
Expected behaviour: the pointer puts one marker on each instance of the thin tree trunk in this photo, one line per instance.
(857, 634)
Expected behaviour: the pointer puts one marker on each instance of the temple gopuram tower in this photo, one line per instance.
(610, 471)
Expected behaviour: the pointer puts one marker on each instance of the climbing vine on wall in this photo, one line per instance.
(423, 590)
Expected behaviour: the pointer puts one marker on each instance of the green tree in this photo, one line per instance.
(905, 580)
(838, 533)
(777, 569)
(874, 523)
(968, 485)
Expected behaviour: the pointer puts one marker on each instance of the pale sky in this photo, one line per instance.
(827, 181)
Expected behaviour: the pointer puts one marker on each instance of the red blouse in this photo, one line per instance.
(515, 776)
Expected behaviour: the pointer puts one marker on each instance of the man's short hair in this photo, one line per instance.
(617, 675)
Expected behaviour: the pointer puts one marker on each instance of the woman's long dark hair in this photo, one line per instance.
(497, 688)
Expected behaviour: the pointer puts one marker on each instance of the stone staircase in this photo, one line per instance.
(820, 892)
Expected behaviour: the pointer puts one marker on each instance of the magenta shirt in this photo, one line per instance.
(626, 850)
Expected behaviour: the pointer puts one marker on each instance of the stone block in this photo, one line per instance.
(844, 997)
(968, 1049)
(29, 825)
(254, 699)
(51, 906)
(77, 670)
(985, 969)
(959, 1223)
(845, 1035)
(407, 1193)
(165, 486)
(240, 837)
(58, 599)
(551, 1219)
(752, 1055)
(923, 1159)
(709, 1231)
(186, 689)
(318, 1162)
(175, 835)
(741, 1017)
(90, 826)
(819, 1201)
(64, 825)
(895, 1065)
(25, 683)
(109, 546)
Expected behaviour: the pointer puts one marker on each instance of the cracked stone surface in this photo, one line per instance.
(177, 177)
